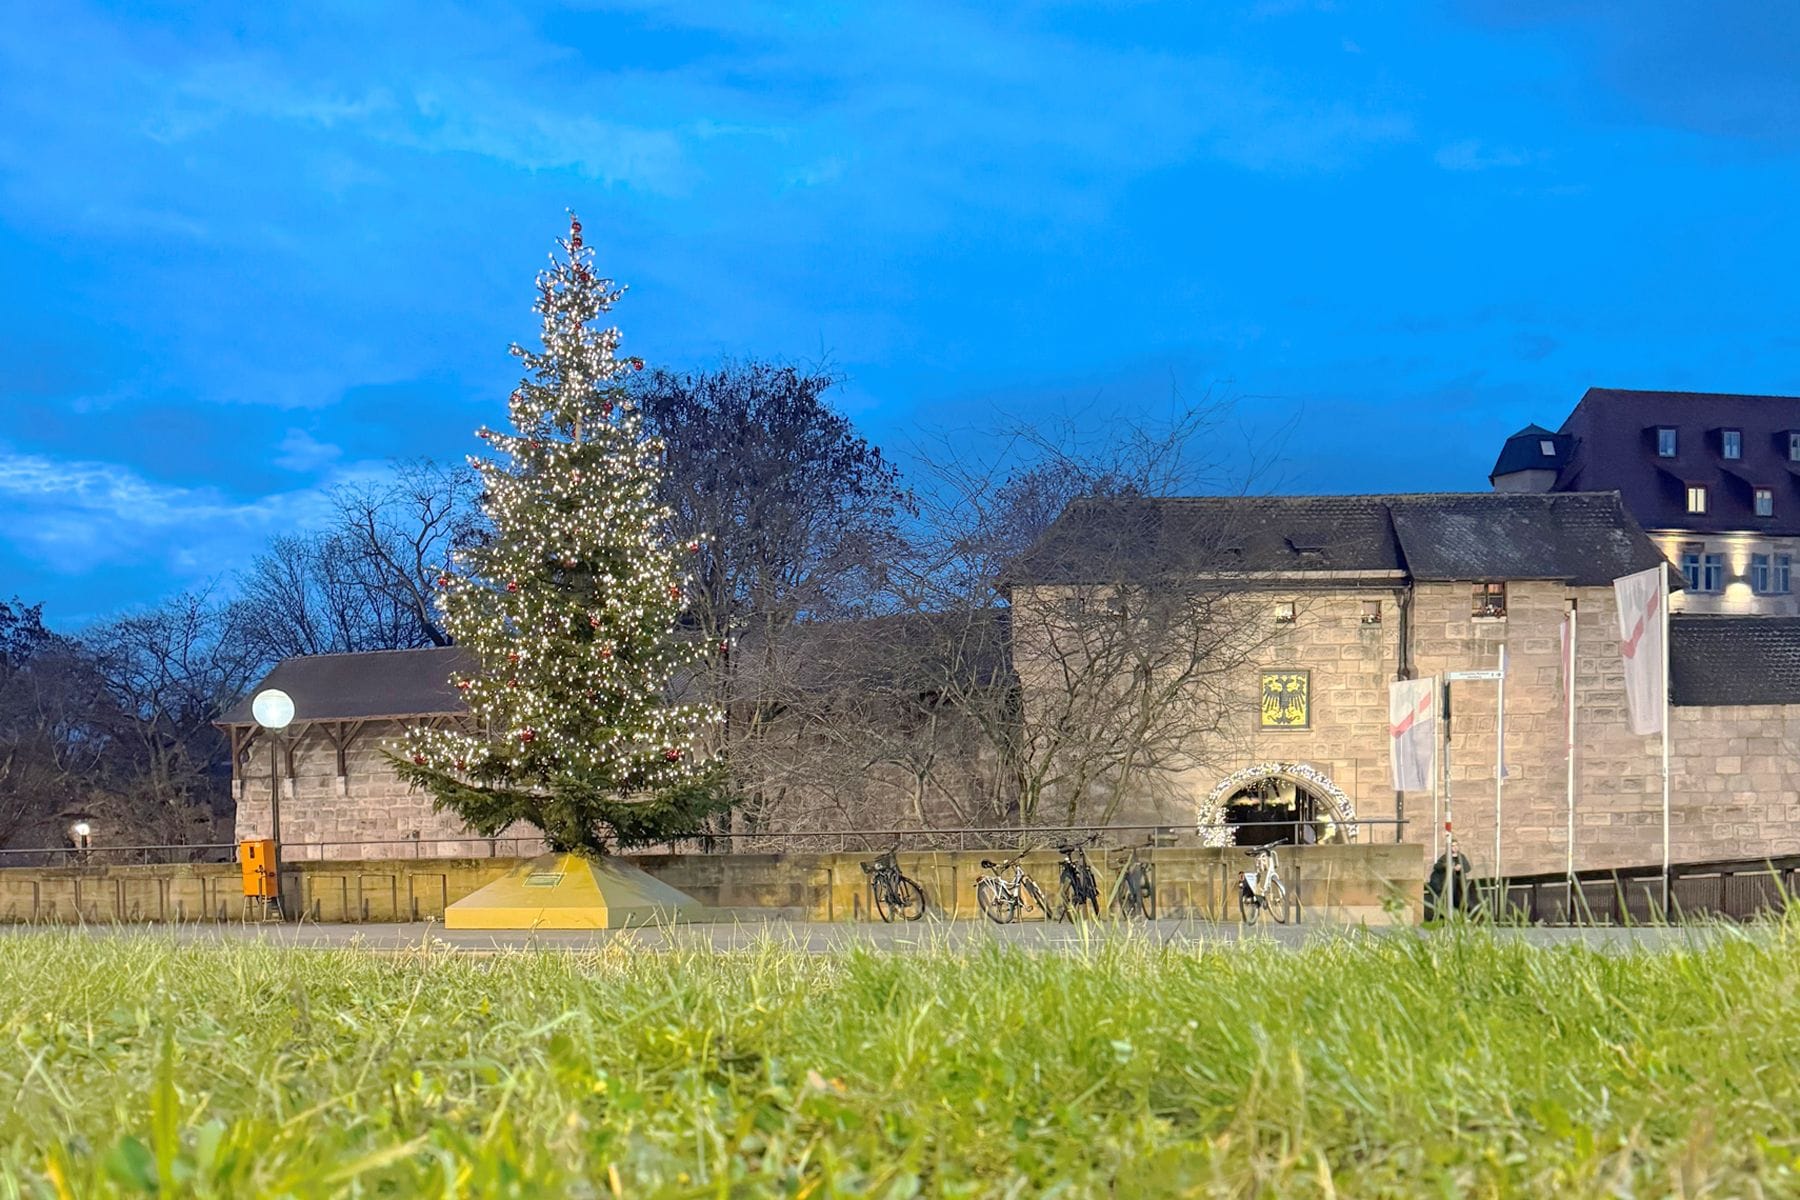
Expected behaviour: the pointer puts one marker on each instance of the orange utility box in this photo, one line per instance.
(258, 860)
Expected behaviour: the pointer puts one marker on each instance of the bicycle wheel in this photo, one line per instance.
(910, 897)
(995, 905)
(1146, 889)
(1037, 896)
(1090, 892)
(1065, 909)
(886, 902)
(1280, 903)
(1248, 905)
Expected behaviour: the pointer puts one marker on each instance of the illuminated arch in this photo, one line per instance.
(1214, 831)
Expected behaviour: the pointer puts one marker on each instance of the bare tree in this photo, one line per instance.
(53, 747)
(364, 582)
(1128, 642)
(169, 672)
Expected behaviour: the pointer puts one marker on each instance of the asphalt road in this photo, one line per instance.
(825, 938)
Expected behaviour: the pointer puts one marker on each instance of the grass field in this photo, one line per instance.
(1448, 1065)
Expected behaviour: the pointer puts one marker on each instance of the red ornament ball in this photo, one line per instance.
(513, 657)
(418, 760)
(606, 652)
(462, 685)
(512, 585)
(528, 735)
(594, 622)
(672, 754)
(461, 765)
(443, 581)
(606, 409)
(574, 234)
(483, 434)
(637, 364)
(693, 547)
(674, 592)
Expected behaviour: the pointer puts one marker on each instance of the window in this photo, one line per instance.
(1765, 502)
(1771, 574)
(1712, 573)
(1547, 448)
(1794, 447)
(1665, 442)
(1490, 600)
(1690, 569)
(1371, 612)
(1696, 498)
(1284, 612)
(1731, 443)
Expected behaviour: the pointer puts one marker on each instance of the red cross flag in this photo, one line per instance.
(1412, 726)
(1640, 598)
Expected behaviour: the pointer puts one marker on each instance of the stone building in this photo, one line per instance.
(1356, 591)
(339, 797)
(1714, 478)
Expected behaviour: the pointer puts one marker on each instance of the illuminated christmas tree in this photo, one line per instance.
(573, 609)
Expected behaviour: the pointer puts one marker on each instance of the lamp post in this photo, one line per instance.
(274, 712)
(81, 837)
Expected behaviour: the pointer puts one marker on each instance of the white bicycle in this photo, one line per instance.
(1260, 889)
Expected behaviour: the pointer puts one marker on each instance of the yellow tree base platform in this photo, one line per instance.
(566, 891)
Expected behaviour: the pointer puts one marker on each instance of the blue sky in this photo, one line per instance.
(251, 251)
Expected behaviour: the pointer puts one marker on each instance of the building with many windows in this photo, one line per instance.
(1714, 479)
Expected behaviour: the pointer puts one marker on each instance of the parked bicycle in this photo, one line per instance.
(894, 895)
(1133, 894)
(1079, 894)
(1261, 890)
(1001, 898)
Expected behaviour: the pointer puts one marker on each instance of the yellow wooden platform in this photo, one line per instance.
(566, 891)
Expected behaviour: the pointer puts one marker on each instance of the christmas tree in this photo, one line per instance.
(572, 608)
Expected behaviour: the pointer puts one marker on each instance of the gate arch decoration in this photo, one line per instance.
(1214, 831)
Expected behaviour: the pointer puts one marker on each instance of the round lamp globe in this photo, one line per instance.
(273, 709)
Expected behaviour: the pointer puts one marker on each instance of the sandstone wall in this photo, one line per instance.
(368, 812)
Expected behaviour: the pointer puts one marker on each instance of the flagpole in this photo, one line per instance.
(1499, 776)
(1569, 690)
(1437, 737)
(1662, 576)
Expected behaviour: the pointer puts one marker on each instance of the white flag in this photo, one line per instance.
(1640, 598)
(1412, 726)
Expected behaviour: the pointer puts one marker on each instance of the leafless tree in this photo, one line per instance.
(365, 581)
(1128, 642)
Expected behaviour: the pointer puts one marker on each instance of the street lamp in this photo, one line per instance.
(81, 837)
(274, 711)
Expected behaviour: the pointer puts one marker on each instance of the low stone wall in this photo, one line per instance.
(1356, 883)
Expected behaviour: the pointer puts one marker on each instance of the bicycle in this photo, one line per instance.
(894, 895)
(1001, 898)
(1261, 890)
(1133, 893)
(1079, 894)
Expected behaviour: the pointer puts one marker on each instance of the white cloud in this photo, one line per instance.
(1471, 154)
(300, 451)
(71, 516)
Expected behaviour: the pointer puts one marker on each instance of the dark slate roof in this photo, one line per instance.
(1524, 451)
(1580, 538)
(1734, 660)
(348, 687)
(1096, 540)
(1614, 432)
(1583, 538)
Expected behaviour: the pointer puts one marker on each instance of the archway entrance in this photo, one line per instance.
(1276, 802)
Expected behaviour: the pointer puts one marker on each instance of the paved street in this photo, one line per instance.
(820, 937)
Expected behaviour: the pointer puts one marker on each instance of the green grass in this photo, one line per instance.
(1452, 1064)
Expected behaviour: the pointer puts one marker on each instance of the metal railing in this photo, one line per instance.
(1007, 838)
(1735, 889)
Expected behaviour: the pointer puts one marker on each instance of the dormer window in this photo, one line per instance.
(1765, 502)
(1665, 442)
(1547, 448)
(1696, 503)
(1794, 447)
(1731, 443)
